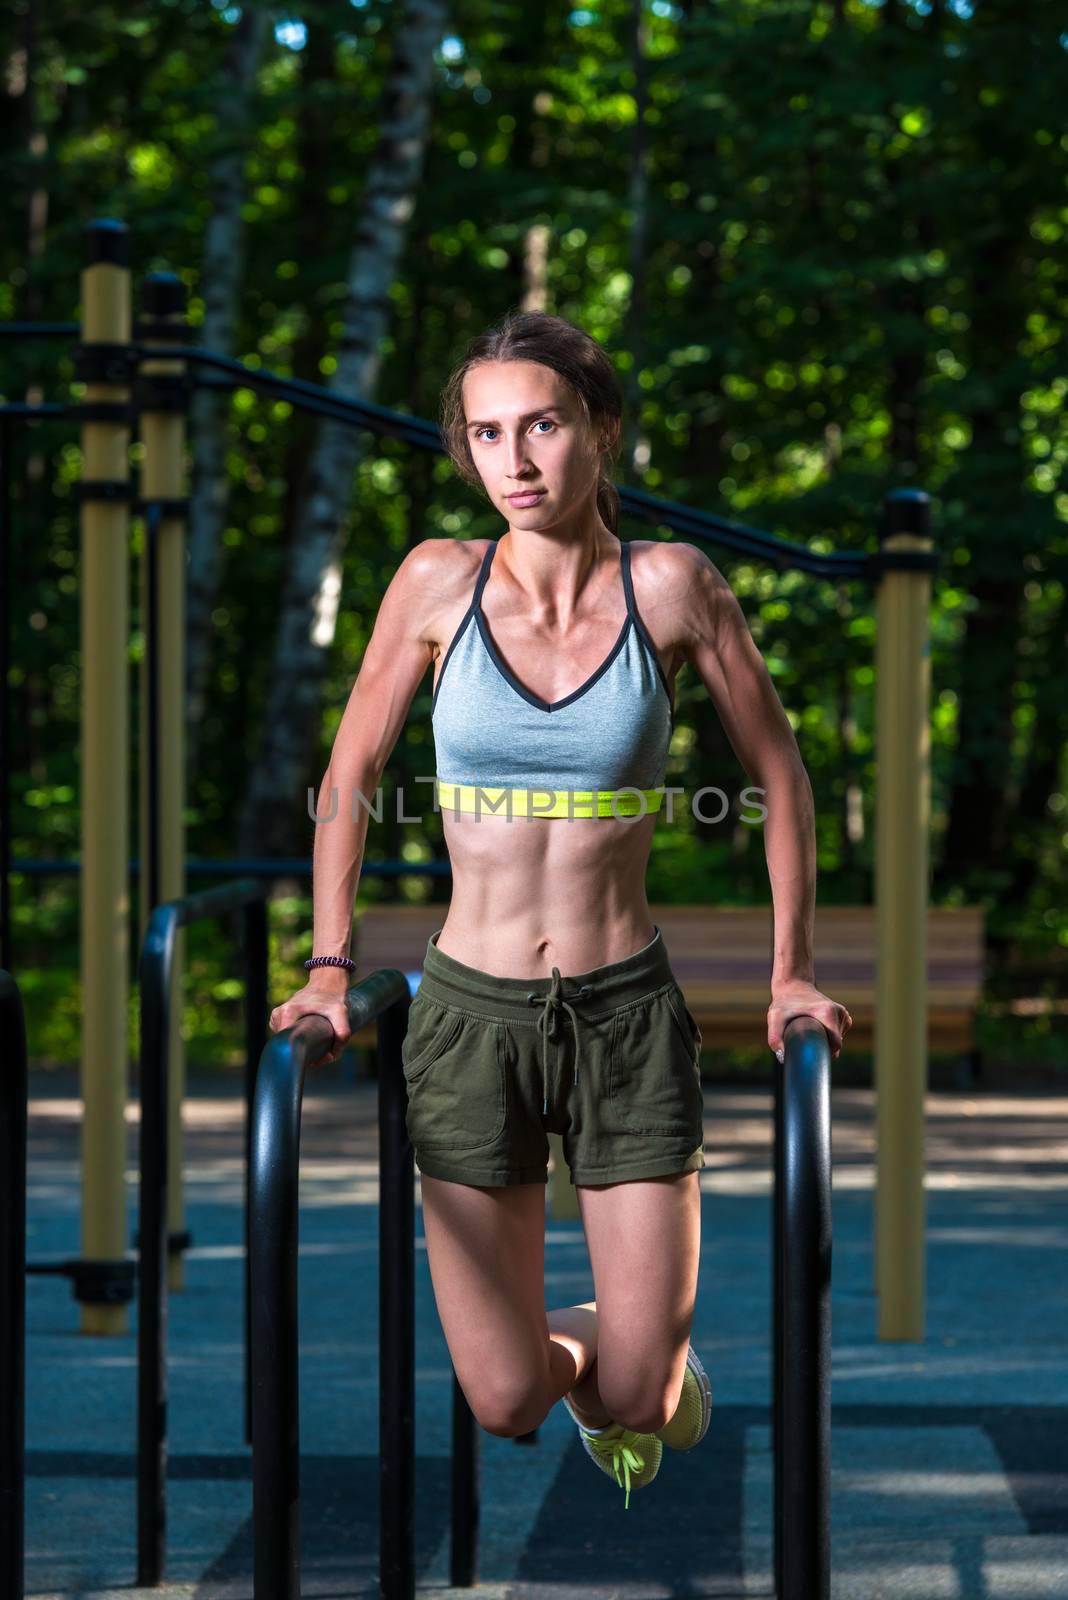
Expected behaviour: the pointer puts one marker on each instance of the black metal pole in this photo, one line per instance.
(778, 1189)
(396, 1314)
(274, 1194)
(274, 1190)
(6, 958)
(255, 953)
(155, 1066)
(803, 1508)
(155, 980)
(156, 986)
(463, 1569)
(153, 519)
(13, 1095)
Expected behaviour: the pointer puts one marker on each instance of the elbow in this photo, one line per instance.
(782, 770)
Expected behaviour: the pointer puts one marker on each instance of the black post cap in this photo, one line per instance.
(106, 239)
(163, 295)
(906, 511)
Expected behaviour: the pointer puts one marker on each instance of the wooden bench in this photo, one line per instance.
(722, 958)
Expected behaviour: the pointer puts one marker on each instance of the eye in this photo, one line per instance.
(542, 421)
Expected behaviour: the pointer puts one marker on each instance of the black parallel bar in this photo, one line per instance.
(20, 411)
(274, 1184)
(691, 523)
(39, 330)
(396, 1295)
(778, 1069)
(273, 1188)
(463, 1569)
(804, 1332)
(258, 866)
(151, 624)
(6, 472)
(13, 1096)
(256, 1002)
(157, 959)
(156, 983)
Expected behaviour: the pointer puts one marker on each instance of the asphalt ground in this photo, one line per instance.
(949, 1456)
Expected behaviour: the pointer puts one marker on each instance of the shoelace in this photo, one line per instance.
(549, 1003)
(618, 1451)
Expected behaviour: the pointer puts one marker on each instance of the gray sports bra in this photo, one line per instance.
(599, 751)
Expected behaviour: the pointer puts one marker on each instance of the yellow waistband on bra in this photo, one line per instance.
(571, 803)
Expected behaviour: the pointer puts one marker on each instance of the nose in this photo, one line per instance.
(517, 462)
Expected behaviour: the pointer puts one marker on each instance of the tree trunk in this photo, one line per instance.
(636, 450)
(275, 815)
(220, 284)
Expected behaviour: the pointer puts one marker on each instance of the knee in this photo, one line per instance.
(511, 1414)
(643, 1410)
(641, 1419)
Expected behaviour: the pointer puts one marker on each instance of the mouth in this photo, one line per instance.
(526, 497)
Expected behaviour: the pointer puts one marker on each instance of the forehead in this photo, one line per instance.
(499, 390)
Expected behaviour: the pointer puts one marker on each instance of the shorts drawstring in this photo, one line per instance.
(550, 1002)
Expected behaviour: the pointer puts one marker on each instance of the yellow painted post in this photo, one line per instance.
(163, 407)
(105, 908)
(901, 894)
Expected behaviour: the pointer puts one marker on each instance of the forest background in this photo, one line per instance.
(824, 243)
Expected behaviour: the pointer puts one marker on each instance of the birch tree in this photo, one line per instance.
(274, 813)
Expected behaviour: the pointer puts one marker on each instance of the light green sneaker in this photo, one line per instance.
(633, 1459)
(689, 1424)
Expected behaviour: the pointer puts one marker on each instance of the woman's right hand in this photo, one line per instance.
(324, 1001)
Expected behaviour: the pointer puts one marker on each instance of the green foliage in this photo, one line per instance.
(846, 272)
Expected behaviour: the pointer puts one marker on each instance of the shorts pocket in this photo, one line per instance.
(688, 1028)
(430, 1030)
(455, 1080)
(655, 1083)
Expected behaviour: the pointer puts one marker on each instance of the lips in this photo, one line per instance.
(525, 494)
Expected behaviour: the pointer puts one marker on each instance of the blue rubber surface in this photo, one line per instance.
(950, 1460)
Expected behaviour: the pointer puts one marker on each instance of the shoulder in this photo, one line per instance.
(442, 566)
(435, 577)
(678, 583)
(665, 564)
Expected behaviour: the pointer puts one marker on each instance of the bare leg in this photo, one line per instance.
(644, 1241)
(573, 1360)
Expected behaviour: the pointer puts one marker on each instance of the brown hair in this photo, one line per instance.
(572, 353)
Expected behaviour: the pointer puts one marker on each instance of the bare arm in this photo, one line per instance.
(401, 647)
(717, 640)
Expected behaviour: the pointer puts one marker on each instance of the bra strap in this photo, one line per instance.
(628, 587)
(483, 574)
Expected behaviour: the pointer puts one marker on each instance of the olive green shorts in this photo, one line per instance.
(608, 1059)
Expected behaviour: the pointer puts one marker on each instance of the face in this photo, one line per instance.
(526, 431)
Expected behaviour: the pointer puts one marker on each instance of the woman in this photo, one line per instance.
(547, 1001)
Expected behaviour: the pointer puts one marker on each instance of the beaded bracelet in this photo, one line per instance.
(330, 961)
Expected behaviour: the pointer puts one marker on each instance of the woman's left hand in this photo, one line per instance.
(805, 1000)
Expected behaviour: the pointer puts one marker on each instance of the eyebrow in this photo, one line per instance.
(541, 412)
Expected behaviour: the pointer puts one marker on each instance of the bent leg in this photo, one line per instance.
(644, 1240)
(486, 1249)
(574, 1328)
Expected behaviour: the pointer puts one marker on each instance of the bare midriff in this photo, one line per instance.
(531, 893)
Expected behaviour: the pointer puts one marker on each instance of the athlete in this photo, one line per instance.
(547, 1001)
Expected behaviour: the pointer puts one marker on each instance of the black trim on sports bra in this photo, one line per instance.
(506, 672)
(480, 584)
(632, 617)
(632, 607)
